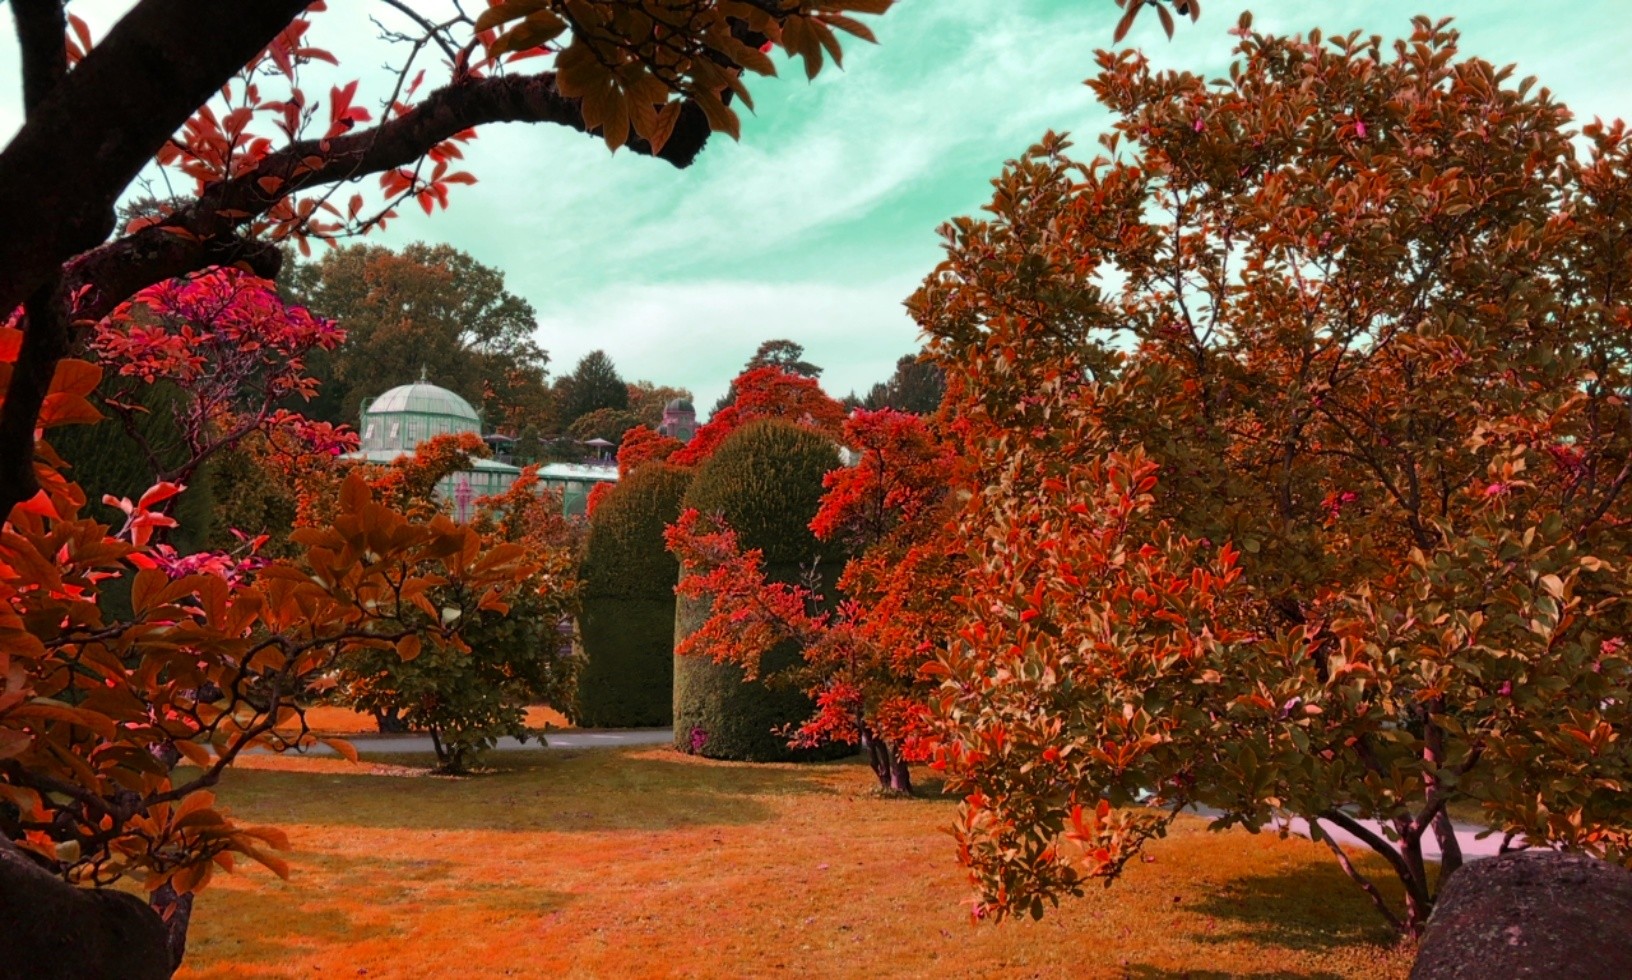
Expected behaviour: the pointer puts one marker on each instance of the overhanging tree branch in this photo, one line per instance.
(401, 141)
(91, 134)
(89, 137)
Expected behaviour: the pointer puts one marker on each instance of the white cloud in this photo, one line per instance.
(697, 334)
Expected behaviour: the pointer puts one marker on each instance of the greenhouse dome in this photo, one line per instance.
(395, 423)
(409, 414)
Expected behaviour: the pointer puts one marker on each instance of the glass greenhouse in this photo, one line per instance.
(393, 424)
(399, 420)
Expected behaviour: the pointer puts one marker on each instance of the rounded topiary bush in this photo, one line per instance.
(765, 480)
(626, 618)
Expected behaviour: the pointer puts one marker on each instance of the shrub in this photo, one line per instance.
(467, 701)
(765, 481)
(627, 618)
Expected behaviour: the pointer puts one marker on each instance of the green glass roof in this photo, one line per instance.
(423, 399)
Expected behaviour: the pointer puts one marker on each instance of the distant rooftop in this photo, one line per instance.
(578, 471)
(423, 398)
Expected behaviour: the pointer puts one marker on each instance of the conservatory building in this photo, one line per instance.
(393, 424)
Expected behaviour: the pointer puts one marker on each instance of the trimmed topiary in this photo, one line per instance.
(626, 618)
(765, 480)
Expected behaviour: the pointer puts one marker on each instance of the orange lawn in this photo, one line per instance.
(649, 863)
(333, 720)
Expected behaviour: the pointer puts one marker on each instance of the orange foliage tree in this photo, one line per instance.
(214, 661)
(642, 445)
(469, 691)
(1300, 444)
(220, 650)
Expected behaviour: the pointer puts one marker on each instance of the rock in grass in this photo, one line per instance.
(50, 930)
(1530, 914)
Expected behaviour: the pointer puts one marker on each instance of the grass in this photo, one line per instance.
(645, 862)
(328, 719)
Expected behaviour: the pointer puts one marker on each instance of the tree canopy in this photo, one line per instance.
(593, 385)
(916, 386)
(783, 355)
(428, 309)
(1300, 440)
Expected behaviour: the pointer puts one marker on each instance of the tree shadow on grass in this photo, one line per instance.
(1140, 971)
(364, 898)
(556, 790)
(1303, 908)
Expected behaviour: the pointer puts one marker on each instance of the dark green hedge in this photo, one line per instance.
(765, 480)
(626, 622)
(627, 680)
(624, 557)
(103, 459)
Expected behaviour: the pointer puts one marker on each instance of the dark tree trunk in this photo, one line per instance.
(885, 759)
(176, 909)
(900, 776)
(389, 722)
(449, 761)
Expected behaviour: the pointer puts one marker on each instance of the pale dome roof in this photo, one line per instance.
(423, 398)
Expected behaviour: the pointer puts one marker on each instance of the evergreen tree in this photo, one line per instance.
(784, 355)
(916, 386)
(593, 384)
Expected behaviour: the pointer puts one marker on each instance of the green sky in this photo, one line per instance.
(822, 219)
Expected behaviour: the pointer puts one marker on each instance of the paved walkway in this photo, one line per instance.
(1466, 835)
(589, 739)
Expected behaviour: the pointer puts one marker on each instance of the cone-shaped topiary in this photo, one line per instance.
(765, 480)
(626, 622)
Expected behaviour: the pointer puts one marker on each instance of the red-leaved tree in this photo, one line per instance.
(642, 445)
(862, 660)
(765, 393)
(231, 351)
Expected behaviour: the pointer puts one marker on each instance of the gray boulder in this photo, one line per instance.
(1530, 914)
(50, 930)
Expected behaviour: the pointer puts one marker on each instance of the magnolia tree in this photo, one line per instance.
(1301, 442)
(862, 656)
(469, 693)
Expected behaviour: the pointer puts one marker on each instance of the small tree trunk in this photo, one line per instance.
(1405, 857)
(1450, 849)
(176, 909)
(876, 758)
(900, 775)
(891, 770)
(449, 760)
(1418, 896)
(389, 722)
